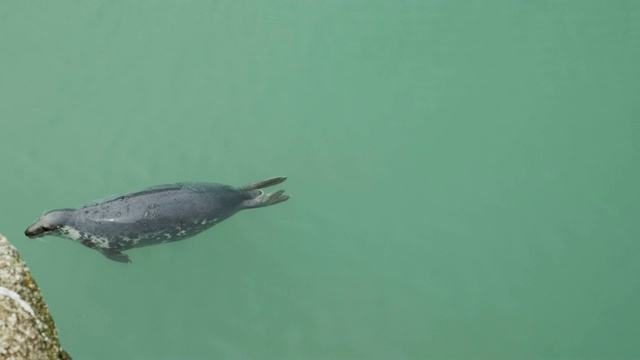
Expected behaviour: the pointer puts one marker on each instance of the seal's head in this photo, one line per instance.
(48, 224)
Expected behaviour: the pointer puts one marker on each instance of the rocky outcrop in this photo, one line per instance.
(27, 330)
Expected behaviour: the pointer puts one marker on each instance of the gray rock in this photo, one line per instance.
(27, 331)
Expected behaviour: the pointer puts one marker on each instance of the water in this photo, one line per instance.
(464, 175)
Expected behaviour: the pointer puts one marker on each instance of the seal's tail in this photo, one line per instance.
(265, 183)
(257, 198)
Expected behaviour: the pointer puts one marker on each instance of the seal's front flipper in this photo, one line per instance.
(117, 256)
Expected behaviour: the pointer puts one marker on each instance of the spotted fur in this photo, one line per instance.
(153, 216)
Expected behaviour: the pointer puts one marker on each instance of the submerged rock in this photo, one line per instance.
(27, 330)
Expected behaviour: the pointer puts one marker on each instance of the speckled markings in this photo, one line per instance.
(152, 216)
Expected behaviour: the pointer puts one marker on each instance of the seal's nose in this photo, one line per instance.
(34, 231)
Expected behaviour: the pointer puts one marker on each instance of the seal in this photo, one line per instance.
(155, 215)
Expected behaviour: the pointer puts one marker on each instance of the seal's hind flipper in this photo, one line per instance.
(265, 183)
(266, 199)
(117, 256)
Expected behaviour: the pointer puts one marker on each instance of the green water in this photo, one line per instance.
(464, 174)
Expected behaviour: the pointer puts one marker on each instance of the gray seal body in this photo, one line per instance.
(152, 216)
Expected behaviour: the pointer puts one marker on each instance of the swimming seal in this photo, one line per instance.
(156, 215)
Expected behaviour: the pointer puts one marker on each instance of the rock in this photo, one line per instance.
(27, 331)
